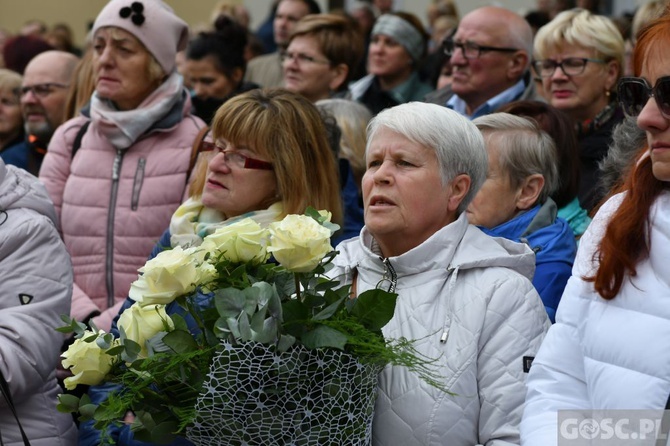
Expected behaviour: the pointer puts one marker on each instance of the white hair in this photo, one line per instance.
(458, 144)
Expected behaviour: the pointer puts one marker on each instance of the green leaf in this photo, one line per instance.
(116, 350)
(87, 411)
(374, 308)
(68, 403)
(329, 311)
(180, 341)
(323, 337)
(179, 322)
(313, 300)
(295, 315)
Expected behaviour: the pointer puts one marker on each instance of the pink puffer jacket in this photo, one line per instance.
(113, 206)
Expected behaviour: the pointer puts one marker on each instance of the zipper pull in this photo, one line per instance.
(117, 166)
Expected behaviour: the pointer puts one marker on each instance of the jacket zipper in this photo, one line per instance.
(137, 184)
(116, 169)
(389, 275)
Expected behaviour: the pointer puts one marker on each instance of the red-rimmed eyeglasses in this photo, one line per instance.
(236, 159)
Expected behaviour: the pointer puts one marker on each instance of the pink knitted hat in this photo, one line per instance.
(153, 23)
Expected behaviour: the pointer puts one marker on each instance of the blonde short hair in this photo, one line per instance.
(10, 81)
(582, 28)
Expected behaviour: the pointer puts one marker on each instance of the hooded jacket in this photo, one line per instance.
(113, 204)
(467, 301)
(606, 354)
(36, 289)
(553, 243)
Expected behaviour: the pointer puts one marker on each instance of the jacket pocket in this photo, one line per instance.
(137, 184)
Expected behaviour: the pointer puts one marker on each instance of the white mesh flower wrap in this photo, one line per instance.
(254, 396)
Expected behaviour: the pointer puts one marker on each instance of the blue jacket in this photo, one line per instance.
(16, 153)
(554, 245)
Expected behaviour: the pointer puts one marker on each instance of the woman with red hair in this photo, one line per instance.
(609, 347)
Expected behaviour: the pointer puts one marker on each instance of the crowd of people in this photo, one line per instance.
(506, 175)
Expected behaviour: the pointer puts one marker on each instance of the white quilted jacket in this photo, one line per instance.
(605, 354)
(477, 290)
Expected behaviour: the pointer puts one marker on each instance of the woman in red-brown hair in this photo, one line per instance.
(609, 348)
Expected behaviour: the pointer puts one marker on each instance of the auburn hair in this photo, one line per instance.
(626, 241)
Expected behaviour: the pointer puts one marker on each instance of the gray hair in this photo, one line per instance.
(523, 149)
(458, 144)
(627, 140)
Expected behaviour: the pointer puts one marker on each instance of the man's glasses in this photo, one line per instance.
(634, 92)
(471, 50)
(302, 58)
(571, 66)
(236, 159)
(41, 90)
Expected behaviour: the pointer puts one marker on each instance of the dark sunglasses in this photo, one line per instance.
(634, 92)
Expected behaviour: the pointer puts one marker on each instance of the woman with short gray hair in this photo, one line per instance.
(465, 299)
(515, 202)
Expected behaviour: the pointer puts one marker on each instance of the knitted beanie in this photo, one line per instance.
(152, 22)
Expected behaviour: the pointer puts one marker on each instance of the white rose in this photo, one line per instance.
(141, 323)
(87, 361)
(239, 242)
(299, 242)
(170, 274)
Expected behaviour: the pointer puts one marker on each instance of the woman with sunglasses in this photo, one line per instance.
(608, 348)
(270, 158)
(579, 56)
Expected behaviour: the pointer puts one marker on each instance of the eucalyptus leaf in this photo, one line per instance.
(268, 332)
(323, 337)
(234, 327)
(286, 341)
(245, 327)
(258, 319)
(132, 349)
(229, 302)
(265, 292)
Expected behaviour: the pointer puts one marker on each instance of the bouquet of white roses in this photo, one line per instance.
(242, 340)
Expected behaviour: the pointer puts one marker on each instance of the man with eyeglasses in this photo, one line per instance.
(490, 54)
(267, 70)
(43, 94)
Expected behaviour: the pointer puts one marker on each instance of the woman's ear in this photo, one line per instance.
(339, 75)
(459, 188)
(237, 75)
(529, 192)
(612, 76)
